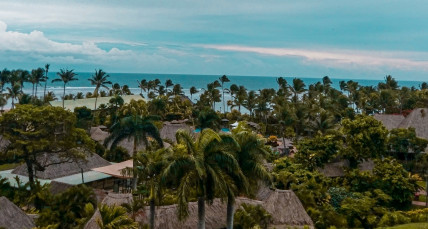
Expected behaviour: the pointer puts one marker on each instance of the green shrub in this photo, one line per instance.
(393, 218)
(251, 216)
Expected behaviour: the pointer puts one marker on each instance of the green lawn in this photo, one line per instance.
(409, 226)
(8, 166)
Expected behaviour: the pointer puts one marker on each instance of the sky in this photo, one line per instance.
(342, 39)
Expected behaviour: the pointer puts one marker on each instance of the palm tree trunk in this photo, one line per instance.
(152, 213)
(63, 98)
(201, 213)
(35, 94)
(44, 92)
(134, 181)
(230, 211)
(96, 98)
(224, 106)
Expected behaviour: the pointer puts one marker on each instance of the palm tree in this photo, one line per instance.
(251, 102)
(50, 96)
(177, 90)
(200, 166)
(65, 76)
(45, 79)
(136, 127)
(99, 79)
(142, 85)
(223, 80)
(4, 79)
(193, 91)
(115, 217)
(3, 102)
(35, 78)
(241, 96)
(134, 207)
(168, 83)
(13, 93)
(297, 88)
(251, 154)
(149, 167)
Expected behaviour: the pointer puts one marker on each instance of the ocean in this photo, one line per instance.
(186, 81)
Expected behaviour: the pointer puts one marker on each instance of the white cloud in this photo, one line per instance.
(340, 58)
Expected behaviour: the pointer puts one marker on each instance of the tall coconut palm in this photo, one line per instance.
(297, 88)
(3, 102)
(251, 102)
(99, 79)
(149, 167)
(135, 127)
(241, 96)
(65, 76)
(13, 92)
(45, 79)
(4, 79)
(168, 83)
(142, 85)
(223, 80)
(250, 155)
(200, 165)
(193, 91)
(114, 217)
(35, 78)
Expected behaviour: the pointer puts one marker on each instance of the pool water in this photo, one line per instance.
(225, 129)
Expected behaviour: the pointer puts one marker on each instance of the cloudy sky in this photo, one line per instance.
(342, 39)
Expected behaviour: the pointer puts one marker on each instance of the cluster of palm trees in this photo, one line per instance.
(205, 167)
(155, 88)
(16, 79)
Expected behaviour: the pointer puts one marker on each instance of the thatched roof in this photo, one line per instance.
(92, 223)
(12, 217)
(170, 128)
(99, 135)
(62, 169)
(390, 121)
(417, 119)
(117, 199)
(56, 187)
(337, 169)
(283, 205)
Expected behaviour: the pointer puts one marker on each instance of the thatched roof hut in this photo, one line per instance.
(58, 168)
(417, 119)
(170, 128)
(12, 217)
(286, 209)
(99, 135)
(283, 205)
(390, 121)
(56, 187)
(117, 199)
(92, 223)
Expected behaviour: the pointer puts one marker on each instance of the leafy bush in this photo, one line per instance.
(393, 218)
(251, 216)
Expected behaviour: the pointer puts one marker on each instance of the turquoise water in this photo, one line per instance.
(222, 129)
(187, 81)
(225, 129)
